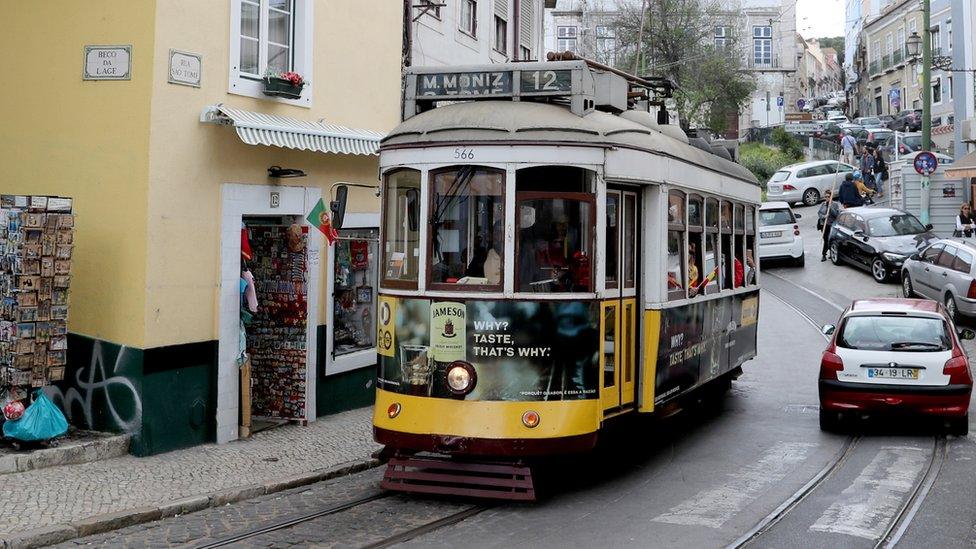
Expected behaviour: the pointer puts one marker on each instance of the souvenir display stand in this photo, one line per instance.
(36, 240)
(354, 295)
(276, 335)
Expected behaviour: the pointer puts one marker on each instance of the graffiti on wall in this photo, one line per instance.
(100, 397)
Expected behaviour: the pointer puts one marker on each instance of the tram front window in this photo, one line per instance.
(467, 239)
(555, 237)
(401, 239)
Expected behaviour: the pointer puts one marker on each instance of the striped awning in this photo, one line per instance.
(256, 128)
(964, 167)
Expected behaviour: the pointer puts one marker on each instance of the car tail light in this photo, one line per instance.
(971, 294)
(957, 368)
(796, 230)
(830, 364)
(789, 187)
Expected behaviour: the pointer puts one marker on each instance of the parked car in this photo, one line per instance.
(837, 118)
(908, 121)
(944, 159)
(944, 272)
(886, 120)
(806, 182)
(906, 143)
(877, 240)
(868, 121)
(895, 356)
(779, 234)
(873, 135)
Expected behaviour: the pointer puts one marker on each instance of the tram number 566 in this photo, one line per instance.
(462, 153)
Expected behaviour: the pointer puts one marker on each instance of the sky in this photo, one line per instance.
(820, 18)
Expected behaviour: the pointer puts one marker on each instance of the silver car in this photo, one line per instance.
(806, 182)
(944, 272)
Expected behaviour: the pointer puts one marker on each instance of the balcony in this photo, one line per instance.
(765, 63)
(874, 68)
(886, 61)
(898, 56)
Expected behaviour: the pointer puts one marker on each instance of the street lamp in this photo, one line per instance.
(913, 44)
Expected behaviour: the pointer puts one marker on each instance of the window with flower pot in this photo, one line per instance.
(271, 49)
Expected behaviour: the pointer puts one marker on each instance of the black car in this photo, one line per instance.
(907, 121)
(877, 240)
(887, 120)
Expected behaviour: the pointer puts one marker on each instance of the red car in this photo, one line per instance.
(895, 356)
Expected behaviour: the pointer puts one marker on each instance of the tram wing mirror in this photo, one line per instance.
(413, 209)
(338, 206)
(827, 329)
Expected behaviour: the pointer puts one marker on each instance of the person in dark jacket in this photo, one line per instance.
(867, 167)
(880, 171)
(847, 194)
(829, 211)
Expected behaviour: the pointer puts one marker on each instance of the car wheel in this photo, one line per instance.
(879, 271)
(811, 197)
(906, 286)
(800, 261)
(950, 305)
(833, 253)
(829, 421)
(958, 426)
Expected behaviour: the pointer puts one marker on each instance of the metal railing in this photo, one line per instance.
(874, 67)
(771, 62)
(886, 61)
(898, 56)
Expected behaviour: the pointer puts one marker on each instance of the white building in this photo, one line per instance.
(475, 32)
(767, 32)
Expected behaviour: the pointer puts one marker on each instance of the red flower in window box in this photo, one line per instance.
(287, 84)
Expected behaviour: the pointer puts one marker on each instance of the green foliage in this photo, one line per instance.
(836, 42)
(763, 161)
(788, 145)
(675, 38)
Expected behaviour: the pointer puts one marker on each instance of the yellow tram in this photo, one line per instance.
(553, 255)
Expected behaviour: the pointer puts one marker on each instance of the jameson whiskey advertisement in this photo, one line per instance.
(521, 350)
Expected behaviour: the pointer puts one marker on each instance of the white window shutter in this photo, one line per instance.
(526, 24)
(501, 9)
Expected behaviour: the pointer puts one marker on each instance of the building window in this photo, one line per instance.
(762, 45)
(936, 40)
(721, 37)
(949, 35)
(525, 54)
(606, 45)
(889, 44)
(937, 90)
(566, 38)
(468, 20)
(501, 35)
(950, 87)
(269, 37)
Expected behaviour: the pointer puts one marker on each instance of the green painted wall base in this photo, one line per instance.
(345, 391)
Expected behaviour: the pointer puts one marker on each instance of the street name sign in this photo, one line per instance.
(799, 116)
(804, 127)
(185, 68)
(108, 63)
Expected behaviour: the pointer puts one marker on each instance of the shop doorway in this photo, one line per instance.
(283, 259)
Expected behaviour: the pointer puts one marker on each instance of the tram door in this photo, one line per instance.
(619, 311)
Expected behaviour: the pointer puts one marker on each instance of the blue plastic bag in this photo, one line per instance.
(42, 420)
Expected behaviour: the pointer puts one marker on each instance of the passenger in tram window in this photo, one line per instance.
(673, 273)
(493, 259)
(751, 263)
(692, 270)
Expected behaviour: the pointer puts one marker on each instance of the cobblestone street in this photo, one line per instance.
(60, 495)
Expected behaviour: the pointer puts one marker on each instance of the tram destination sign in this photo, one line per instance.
(493, 83)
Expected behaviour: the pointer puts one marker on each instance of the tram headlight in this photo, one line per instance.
(461, 377)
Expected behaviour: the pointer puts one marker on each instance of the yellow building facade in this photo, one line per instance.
(157, 189)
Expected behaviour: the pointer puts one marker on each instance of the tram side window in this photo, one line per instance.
(698, 277)
(711, 244)
(467, 220)
(728, 243)
(750, 266)
(630, 239)
(554, 242)
(738, 265)
(401, 237)
(613, 239)
(677, 265)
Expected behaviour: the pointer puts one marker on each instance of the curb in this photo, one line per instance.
(97, 524)
(86, 452)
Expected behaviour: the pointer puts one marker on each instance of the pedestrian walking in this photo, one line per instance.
(847, 194)
(880, 171)
(829, 211)
(848, 146)
(867, 167)
(965, 222)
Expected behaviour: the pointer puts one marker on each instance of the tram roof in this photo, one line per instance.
(525, 122)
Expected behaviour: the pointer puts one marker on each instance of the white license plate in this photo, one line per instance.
(893, 373)
(775, 189)
(771, 234)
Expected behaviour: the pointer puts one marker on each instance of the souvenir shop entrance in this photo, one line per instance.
(270, 287)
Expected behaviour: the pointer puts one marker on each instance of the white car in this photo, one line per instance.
(806, 182)
(838, 119)
(779, 235)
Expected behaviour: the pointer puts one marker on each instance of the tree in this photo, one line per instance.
(678, 41)
(836, 42)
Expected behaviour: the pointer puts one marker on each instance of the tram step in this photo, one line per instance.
(443, 475)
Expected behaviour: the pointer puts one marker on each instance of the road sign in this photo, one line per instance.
(799, 116)
(779, 101)
(800, 103)
(804, 127)
(926, 163)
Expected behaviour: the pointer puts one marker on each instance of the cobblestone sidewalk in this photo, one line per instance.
(79, 493)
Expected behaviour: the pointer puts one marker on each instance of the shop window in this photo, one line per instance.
(630, 240)
(354, 295)
(554, 242)
(613, 239)
(401, 235)
(467, 221)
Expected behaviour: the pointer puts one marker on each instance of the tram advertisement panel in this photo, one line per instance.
(703, 340)
(521, 350)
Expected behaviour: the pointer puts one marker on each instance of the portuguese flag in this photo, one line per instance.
(320, 219)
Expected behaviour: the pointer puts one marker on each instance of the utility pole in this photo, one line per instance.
(926, 103)
(640, 38)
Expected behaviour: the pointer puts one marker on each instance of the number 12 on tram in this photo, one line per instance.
(547, 266)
